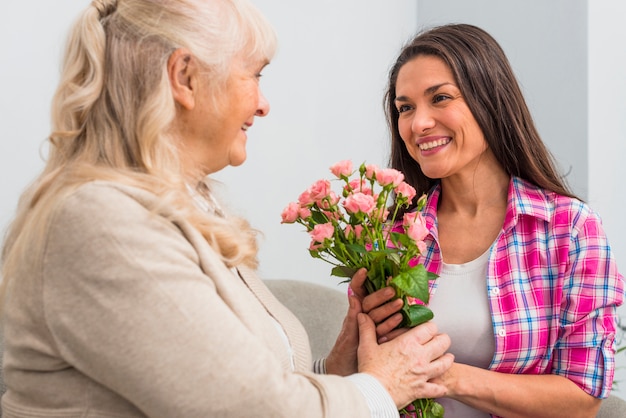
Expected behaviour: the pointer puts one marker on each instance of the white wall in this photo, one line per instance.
(32, 34)
(546, 43)
(606, 146)
(325, 87)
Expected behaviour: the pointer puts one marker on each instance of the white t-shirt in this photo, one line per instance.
(461, 310)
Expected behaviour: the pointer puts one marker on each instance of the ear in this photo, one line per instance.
(182, 72)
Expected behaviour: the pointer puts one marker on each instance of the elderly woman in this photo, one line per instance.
(528, 286)
(127, 291)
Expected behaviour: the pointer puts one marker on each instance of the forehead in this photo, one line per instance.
(424, 71)
(249, 62)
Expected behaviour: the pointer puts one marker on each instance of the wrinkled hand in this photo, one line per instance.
(406, 364)
(342, 359)
(380, 306)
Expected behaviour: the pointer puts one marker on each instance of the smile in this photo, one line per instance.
(433, 144)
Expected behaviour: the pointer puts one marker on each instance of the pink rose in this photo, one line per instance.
(415, 226)
(406, 190)
(305, 198)
(359, 202)
(355, 231)
(370, 171)
(305, 212)
(313, 246)
(321, 232)
(332, 215)
(319, 190)
(291, 213)
(328, 201)
(389, 176)
(342, 168)
(358, 185)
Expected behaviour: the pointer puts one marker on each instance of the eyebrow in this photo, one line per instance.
(429, 90)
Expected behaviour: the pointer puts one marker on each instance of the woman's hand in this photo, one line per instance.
(381, 306)
(405, 365)
(342, 359)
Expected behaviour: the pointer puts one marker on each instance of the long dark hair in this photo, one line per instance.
(486, 81)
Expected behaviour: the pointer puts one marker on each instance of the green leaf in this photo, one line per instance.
(318, 217)
(413, 282)
(315, 254)
(343, 271)
(437, 410)
(395, 258)
(357, 248)
(416, 314)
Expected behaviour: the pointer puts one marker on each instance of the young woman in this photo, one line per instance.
(528, 286)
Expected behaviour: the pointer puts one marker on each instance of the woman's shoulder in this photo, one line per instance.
(101, 205)
(532, 199)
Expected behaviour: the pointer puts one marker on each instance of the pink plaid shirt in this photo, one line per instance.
(553, 288)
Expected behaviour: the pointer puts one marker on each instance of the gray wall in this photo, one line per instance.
(546, 43)
(325, 88)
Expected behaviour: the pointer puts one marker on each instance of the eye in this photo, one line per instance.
(403, 108)
(440, 98)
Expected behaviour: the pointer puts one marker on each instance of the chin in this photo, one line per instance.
(236, 162)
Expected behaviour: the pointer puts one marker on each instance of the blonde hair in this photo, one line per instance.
(113, 111)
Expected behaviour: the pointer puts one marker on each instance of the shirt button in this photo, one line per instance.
(495, 291)
(502, 332)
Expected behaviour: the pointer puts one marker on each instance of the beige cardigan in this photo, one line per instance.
(128, 313)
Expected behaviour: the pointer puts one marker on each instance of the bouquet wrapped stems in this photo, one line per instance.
(358, 228)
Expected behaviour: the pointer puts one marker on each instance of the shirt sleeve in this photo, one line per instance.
(593, 290)
(378, 399)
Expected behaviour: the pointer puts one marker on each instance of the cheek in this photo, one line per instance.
(404, 128)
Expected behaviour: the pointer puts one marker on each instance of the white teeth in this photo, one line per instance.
(430, 145)
(245, 127)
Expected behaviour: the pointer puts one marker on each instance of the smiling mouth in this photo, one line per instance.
(434, 144)
(245, 127)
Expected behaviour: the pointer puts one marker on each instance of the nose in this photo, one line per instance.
(422, 121)
(264, 106)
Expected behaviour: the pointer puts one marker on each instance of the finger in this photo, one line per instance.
(380, 297)
(381, 312)
(425, 332)
(437, 346)
(354, 306)
(388, 329)
(367, 331)
(357, 284)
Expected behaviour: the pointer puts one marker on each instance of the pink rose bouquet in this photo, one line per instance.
(357, 227)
